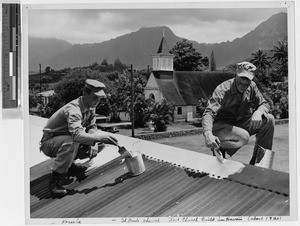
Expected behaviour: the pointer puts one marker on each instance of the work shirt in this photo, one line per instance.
(229, 106)
(72, 119)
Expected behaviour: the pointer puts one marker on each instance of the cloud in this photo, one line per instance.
(98, 25)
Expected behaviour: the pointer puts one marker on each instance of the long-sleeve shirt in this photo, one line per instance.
(229, 106)
(73, 119)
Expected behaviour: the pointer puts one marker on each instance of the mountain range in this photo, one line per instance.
(138, 47)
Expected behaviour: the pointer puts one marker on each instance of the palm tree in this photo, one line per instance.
(162, 113)
(281, 56)
(260, 60)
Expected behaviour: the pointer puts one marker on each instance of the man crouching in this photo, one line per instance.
(237, 110)
(68, 128)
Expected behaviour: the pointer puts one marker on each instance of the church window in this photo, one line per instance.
(152, 96)
(179, 110)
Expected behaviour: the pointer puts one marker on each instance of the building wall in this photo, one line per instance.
(164, 63)
(157, 94)
(152, 88)
(184, 113)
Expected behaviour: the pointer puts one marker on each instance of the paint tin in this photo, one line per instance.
(264, 158)
(135, 164)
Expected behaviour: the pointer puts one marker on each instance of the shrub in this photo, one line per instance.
(162, 113)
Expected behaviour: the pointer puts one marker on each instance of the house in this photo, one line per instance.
(45, 96)
(183, 88)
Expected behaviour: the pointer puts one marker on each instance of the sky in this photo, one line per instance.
(211, 25)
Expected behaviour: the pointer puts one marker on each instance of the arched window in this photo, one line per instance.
(152, 96)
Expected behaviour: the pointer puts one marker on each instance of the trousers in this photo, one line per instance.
(63, 149)
(233, 137)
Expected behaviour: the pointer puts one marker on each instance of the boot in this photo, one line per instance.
(75, 170)
(55, 188)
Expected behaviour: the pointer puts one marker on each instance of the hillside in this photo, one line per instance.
(137, 47)
(42, 49)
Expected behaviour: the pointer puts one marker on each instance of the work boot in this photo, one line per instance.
(55, 188)
(75, 170)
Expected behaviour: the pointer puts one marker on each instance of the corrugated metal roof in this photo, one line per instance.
(163, 190)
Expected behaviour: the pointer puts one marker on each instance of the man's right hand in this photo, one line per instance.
(211, 141)
(106, 139)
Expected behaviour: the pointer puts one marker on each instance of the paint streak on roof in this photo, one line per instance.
(162, 190)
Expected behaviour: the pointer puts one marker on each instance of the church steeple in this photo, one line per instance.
(163, 60)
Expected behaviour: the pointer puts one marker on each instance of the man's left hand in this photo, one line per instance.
(256, 118)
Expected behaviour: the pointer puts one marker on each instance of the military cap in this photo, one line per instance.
(246, 69)
(96, 87)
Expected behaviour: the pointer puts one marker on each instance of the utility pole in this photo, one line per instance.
(40, 78)
(132, 103)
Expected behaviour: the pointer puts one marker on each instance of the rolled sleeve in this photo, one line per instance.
(261, 103)
(74, 119)
(214, 105)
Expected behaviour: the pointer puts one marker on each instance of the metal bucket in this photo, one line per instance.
(135, 164)
(264, 158)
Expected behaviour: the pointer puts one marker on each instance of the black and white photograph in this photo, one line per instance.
(152, 112)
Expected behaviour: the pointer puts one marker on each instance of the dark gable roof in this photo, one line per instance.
(170, 92)
(163, 48)
(194, 85)
(188, 87)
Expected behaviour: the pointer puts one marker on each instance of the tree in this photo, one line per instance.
(33, 99)
(161, 113)
(118, 65)
(260, 60)
(104, 62)
(48, 70)
(262, 63)
(187, 58)
(213, 66)
(281, 57)
(70, 88)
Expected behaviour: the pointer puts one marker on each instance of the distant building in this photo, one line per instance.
(183, 88)
(45, 96)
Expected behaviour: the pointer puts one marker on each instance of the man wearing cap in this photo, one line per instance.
(237, 110)
(68, 128)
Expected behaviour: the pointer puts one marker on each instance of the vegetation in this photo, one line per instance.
(118, 89)
(213, 65)
(270, 77)
(187, 58)
(68, 83)
(161, 114)
(281, 58)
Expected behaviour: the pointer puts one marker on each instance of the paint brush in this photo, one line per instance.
(219, 156)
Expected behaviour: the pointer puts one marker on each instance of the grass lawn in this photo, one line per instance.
(280, 146)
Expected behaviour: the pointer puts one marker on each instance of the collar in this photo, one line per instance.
(83, 108)
(233, 87)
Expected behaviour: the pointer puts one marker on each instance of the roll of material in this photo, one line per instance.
(264, 158)
(135, 164)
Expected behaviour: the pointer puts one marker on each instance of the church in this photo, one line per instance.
(184, 88)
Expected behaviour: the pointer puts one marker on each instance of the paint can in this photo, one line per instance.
(135, 164)
(264, 158)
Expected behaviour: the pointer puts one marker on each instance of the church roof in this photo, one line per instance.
(188, 87)
(163, 47)
(194, 85)
(170, 92)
